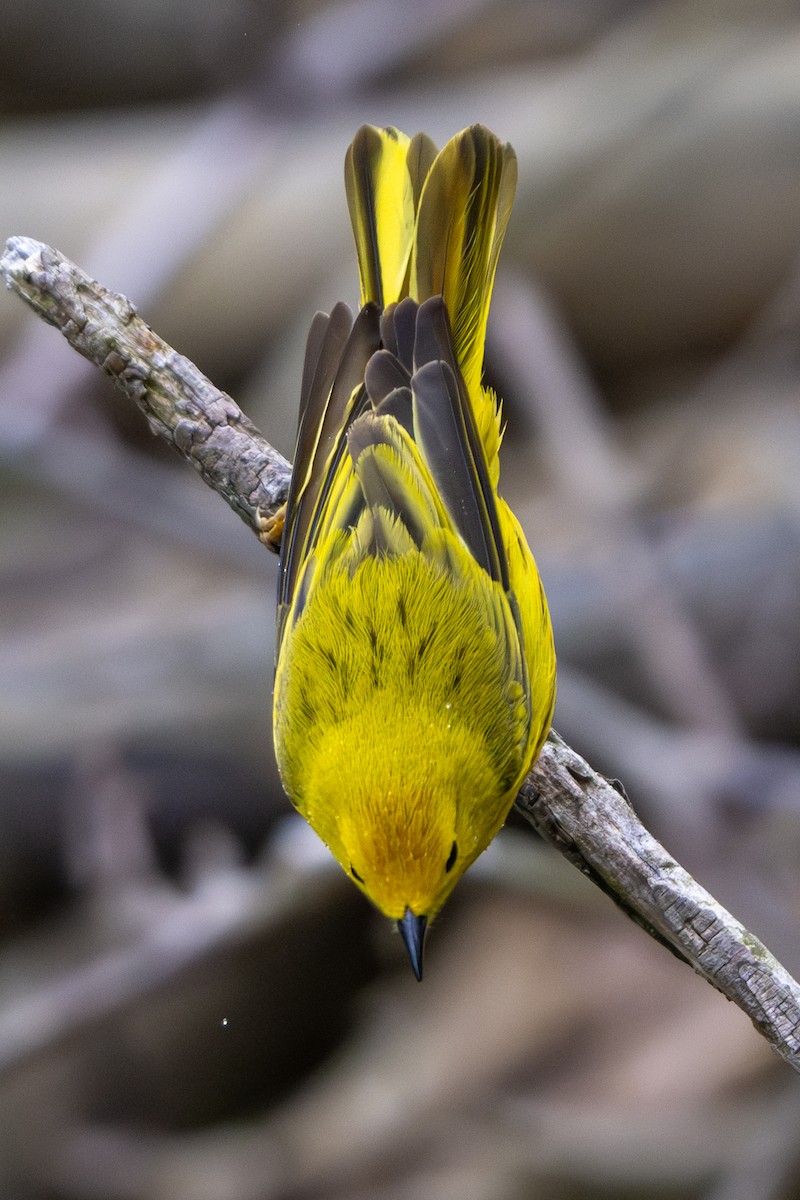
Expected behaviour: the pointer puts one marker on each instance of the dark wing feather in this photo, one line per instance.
(325, 345)
(398, 405)
(445, 432)
(404, 319)
(387, 328)
(314, 346)
(333, 402)
(433, 338)
(383, 375)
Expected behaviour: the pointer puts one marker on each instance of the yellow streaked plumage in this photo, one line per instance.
(415, 674)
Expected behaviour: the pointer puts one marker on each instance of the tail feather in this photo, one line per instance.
(380, 196)
(429, 224)
(462, 218)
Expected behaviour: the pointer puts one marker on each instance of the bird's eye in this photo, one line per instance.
(451, 861)
(355, 874)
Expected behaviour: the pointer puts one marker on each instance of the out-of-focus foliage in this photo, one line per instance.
(193, 1004)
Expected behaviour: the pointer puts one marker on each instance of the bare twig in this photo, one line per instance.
(582, 814)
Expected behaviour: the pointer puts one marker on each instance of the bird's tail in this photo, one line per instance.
(428, 224)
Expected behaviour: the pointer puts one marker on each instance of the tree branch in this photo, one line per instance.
(180, 403)
(590, 820)
(585, 817)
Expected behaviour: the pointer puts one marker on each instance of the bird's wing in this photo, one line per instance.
(333, 394)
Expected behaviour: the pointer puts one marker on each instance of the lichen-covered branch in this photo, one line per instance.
(587, 818)
(180, 403)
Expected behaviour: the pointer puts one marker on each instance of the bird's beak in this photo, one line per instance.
(413, 931)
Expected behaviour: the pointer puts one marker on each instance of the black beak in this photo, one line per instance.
(413, 931)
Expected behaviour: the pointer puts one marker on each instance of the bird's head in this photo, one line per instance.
(403, 852)
(406, 814)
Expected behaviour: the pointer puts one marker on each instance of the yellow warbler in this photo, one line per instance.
(415, 674)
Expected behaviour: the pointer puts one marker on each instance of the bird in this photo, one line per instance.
(415, 665)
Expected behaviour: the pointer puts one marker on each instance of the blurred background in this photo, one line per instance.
(195, 1004)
